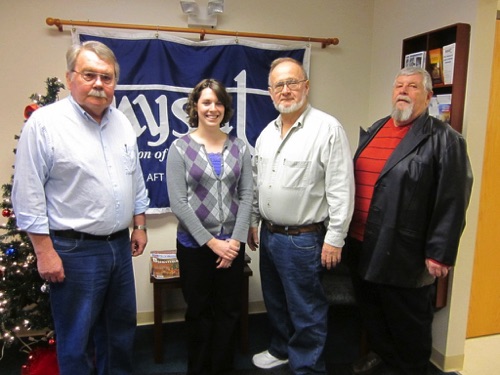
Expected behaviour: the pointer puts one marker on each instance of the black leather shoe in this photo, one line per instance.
(367, 365)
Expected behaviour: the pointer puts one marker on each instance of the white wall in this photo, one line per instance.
(352, 81)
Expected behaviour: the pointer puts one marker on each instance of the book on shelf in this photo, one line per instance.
(415, 59)
(440, 107)
(164, 264)
(448, 63)
(436, 66)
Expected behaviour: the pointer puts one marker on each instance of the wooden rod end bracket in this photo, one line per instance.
(329, 42)
(54, 22)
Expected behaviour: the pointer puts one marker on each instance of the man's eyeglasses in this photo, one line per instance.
(88, 76)
(292, 84)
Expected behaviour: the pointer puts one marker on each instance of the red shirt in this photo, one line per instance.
(368, 166)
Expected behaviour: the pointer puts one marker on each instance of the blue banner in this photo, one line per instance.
(158, 71)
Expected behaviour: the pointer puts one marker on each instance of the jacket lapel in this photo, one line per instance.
(365, 136)
(420, 130)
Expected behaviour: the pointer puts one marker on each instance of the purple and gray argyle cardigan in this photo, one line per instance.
(208, 205)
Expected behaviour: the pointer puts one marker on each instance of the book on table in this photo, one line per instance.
(164, 264)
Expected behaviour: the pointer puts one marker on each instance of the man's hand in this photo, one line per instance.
(253, 238)
(138, 241)
(49, 263)
(437, 269)
(330, 256)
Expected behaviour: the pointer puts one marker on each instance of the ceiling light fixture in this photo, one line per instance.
(204, 15)
(215, 7)
(190, 7)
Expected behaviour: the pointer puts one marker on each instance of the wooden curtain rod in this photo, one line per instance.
(59, 24)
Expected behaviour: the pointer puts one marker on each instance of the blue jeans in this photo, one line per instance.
(290, 271)
(94, 309)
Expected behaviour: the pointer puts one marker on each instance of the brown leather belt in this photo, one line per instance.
(74, 235)
(294, 230)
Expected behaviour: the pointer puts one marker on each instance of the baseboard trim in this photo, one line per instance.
(177, 315)
(447, 363)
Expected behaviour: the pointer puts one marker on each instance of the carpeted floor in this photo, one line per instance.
(342, 348)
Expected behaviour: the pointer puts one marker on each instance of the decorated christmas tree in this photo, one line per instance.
(25, 314)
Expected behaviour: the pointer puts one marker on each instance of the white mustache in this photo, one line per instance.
(404, 98)
(97, 93)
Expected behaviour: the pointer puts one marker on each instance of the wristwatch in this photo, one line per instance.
(141, 227)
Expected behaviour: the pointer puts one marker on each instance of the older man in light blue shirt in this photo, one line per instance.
(78, 185)
(72, 173)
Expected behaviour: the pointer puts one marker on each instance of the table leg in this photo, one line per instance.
(158, 322)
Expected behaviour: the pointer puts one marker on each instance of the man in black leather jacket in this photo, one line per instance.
(413, 184)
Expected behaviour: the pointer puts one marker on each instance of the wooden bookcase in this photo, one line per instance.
(460, 35)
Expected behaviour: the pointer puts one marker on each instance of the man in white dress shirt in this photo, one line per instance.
(304, 192)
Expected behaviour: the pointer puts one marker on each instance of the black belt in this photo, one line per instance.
(294, 230)
(74, 235)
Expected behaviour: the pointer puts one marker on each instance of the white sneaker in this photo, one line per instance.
(266, 360)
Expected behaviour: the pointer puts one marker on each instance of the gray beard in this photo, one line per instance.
(402, 115)
(294, 107)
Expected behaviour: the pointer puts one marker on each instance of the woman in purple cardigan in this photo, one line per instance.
(209, 182)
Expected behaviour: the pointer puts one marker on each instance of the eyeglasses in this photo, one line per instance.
(292, 84)
(92, 76)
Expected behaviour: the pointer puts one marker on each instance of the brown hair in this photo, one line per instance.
(221, 93)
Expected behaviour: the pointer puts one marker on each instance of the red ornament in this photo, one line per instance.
(6, 212)
(41, 361)
(28, 111)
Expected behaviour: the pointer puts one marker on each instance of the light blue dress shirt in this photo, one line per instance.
(72, 173)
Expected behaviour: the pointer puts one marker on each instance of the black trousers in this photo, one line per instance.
(398, 322)
(213, 298)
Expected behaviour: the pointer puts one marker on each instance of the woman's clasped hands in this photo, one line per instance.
(227, 250)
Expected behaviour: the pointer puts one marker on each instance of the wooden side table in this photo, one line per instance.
(161, 286)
